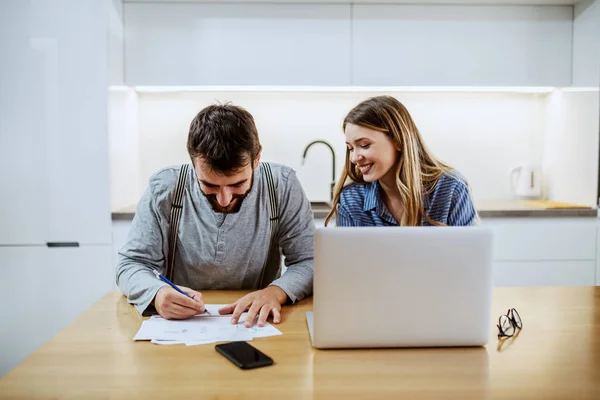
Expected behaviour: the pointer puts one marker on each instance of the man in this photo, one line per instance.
(224, 233)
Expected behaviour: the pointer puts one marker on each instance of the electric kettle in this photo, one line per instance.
(526, 182)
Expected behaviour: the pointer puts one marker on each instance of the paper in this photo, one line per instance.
(195, 328)
(238, 336)
(201, 329)
(213, 309)
(258, 332)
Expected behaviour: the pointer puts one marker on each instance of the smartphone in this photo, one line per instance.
(244, 355)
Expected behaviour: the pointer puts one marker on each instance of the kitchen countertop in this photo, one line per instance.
(486, 209)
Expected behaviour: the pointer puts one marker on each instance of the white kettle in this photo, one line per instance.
(526, 182)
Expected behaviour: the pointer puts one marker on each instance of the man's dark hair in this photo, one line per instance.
(225, 136)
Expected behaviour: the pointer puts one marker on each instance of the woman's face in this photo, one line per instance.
(374, 152)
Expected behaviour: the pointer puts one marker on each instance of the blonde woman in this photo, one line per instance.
(390, 178)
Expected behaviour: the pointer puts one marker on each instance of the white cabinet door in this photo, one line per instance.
(461, 45)
(23, 166)
(545, 273)
(53, 123)
(42, 290)
(116, 65)
(237, 44)
(586, 44)
(543, 239)
(120, 233)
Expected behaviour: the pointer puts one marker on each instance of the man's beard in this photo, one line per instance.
(234, 205)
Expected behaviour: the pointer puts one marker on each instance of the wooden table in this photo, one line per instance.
(555, 356)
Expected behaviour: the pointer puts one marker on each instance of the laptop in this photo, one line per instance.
(401, 287)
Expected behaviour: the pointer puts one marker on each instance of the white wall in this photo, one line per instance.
(484, 135)
(571, 146)
(124, 144)
(586, 44)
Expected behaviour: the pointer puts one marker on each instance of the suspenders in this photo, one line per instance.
(174, 217)
(273, 219)
(177, 206)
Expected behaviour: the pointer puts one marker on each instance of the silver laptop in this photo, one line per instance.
(401, 287)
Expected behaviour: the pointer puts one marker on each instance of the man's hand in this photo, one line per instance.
(262, 303)
(171, 304)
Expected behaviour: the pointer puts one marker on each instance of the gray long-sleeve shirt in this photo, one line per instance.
(215, 250)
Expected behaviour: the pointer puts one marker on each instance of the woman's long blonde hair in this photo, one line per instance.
(417, 171)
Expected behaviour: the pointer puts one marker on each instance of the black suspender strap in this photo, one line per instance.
(174, 217)
(273, 217)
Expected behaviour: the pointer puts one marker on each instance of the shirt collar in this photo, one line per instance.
(373, 202)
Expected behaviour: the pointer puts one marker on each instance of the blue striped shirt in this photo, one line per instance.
(449, 203)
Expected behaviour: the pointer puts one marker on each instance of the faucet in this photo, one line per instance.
(332, 163)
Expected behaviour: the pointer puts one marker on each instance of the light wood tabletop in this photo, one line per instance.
(555, 356)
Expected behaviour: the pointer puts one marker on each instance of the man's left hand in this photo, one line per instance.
(262, 303)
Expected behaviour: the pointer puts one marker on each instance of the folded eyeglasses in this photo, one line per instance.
(508, 323)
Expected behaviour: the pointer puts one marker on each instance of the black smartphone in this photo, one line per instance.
(244, 355)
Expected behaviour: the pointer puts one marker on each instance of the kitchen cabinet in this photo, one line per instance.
(544, 273)
(237, 44)
(120, 232)
(54, 162)
(53, 126)
(206, 44)
(586, 44)
(544, 251)
(543, 239)
(42, 290)
(115, 43)
(454, 45)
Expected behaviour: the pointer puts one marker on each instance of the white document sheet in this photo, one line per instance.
(258, 332)
(201, 329)
(196, 328)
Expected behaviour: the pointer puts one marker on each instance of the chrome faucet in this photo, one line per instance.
(332, 163)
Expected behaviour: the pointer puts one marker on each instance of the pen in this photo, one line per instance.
(168, 282)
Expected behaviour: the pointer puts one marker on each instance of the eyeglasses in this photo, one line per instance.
(508, 323)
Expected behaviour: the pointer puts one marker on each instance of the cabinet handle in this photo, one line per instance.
(62, 244)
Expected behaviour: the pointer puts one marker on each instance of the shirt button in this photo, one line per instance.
(221, 247)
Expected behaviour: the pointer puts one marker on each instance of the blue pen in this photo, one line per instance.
(168, 282)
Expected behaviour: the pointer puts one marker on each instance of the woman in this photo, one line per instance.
(390, 178)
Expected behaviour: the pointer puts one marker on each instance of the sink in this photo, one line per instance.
(320, 209)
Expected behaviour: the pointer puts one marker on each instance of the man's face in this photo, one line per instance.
(225, 193)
